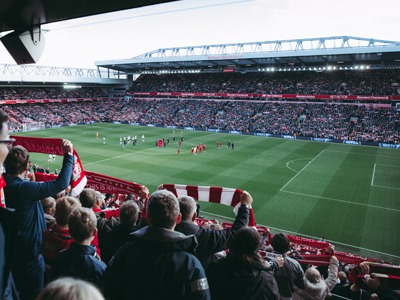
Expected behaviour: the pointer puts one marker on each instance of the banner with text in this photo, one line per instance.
(54, 146)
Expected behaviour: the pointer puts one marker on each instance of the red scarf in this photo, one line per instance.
(54, 146)
(2, 198)
(215, 194)
(101, 183)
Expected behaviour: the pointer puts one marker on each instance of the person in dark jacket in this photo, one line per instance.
(158, 262)
(80, 260)
(243, 274)
(291, 274)
(211, 241)
(8, 222)
(24, 196)
(119, 234)
(8, 238)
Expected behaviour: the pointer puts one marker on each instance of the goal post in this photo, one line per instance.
(33, 126)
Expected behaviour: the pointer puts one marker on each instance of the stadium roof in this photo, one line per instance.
(24, 18)
(23, 14)
(346, 51)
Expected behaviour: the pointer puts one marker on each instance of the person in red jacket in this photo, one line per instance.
(57, 237)
(88, 199)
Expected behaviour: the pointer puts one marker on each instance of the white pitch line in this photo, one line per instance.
(301, 170)
(386, 187)
(388, 166)
(343, 201)
(114, 157)
(382, 186)
(373, 175)
(127, 149)
(309, 236)
(376, 155)
(287, 166)
(290, 161)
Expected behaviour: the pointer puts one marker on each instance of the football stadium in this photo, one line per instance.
(310, 128)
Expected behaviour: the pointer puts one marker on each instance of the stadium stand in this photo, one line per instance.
(370, 118)
(356, 122)
(17, 93)
(370, 82)
(369, 121)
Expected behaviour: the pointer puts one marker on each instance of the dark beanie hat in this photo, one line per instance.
(280, 242)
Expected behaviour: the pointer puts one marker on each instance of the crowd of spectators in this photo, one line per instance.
(36, 93)
(350, 121)
(362, 82)
(52, 114)
(358, 122)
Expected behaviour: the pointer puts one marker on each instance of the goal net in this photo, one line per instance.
(33, 126)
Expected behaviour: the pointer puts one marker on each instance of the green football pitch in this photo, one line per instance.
(349, 195)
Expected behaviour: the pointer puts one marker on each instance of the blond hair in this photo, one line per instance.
(68, 288)
(64, 208)
(82, 223)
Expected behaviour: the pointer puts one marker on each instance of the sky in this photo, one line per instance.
(126, 34)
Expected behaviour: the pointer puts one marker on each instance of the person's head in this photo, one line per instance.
(130, 197)
(64, 208)
(49, 205)
(244, 246)
(121, 198)
(280, 242)
(5, 140)
(313, 275)
(188, 208)
(99, 200)
(109, 196)
(163, 210)
(17, 160)
(68, 288)
(3, 124)
(342, 277)
(128, 213)
(82, 224)
(213, 226)
(88, 197)
(60, 194)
